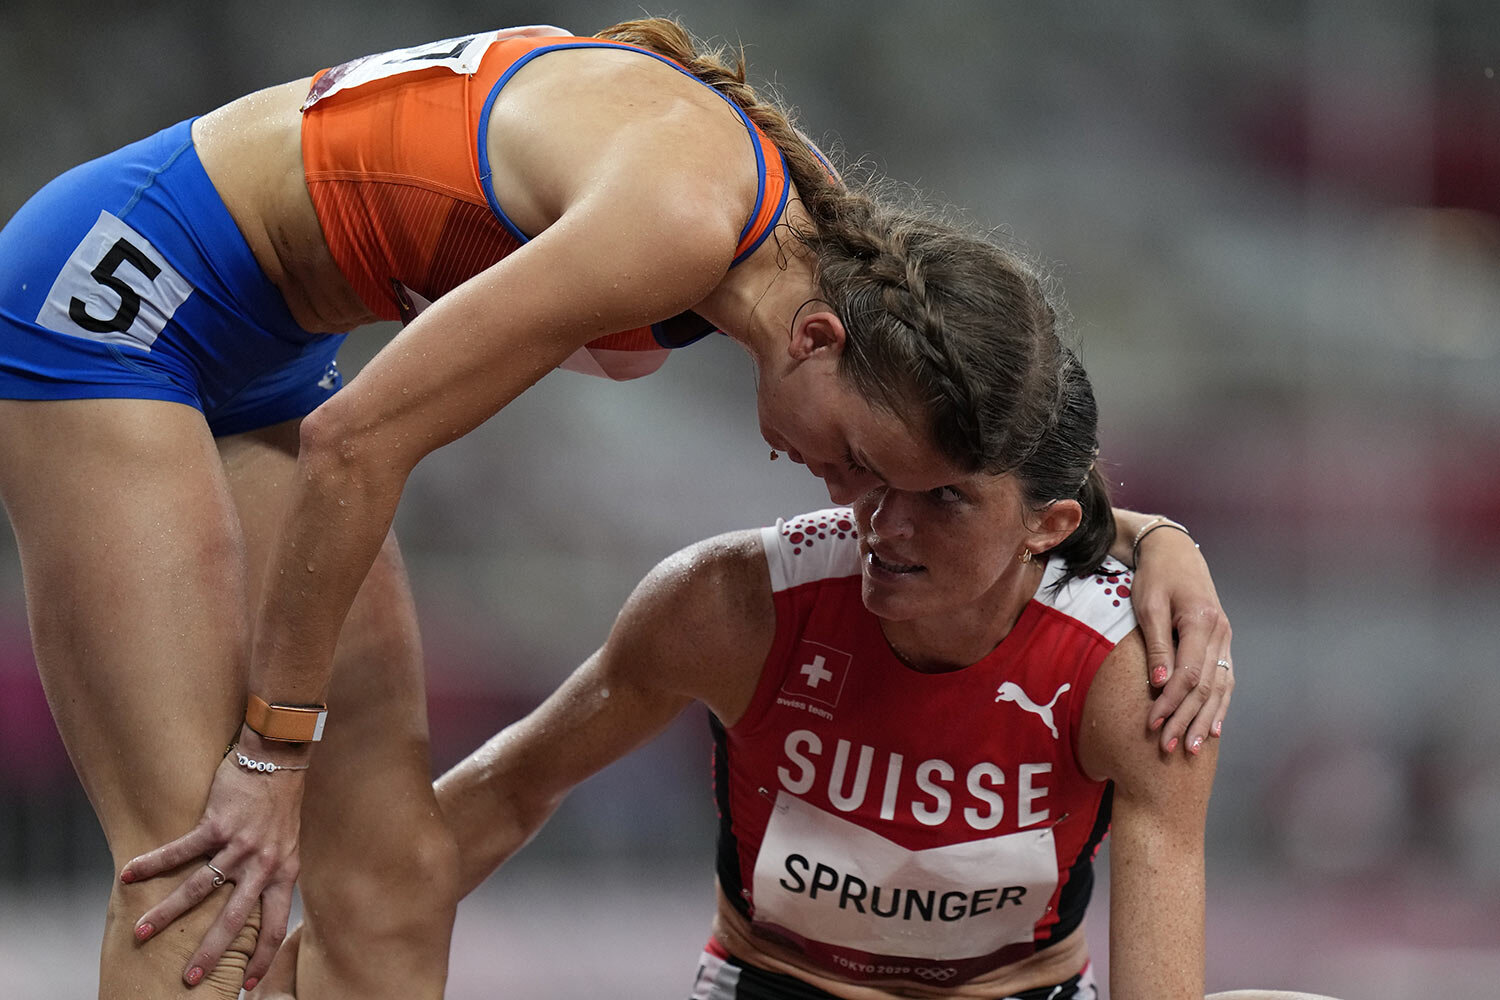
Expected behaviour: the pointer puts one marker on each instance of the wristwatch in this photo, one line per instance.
(287, 723)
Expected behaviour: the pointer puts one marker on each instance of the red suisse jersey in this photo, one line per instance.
(894, 824)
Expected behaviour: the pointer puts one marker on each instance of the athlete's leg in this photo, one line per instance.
(379, 868)
(134, 572)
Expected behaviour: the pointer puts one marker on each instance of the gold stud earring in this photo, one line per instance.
(1025, 556)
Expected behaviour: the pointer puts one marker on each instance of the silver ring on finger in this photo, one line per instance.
(219, 877)
(1222, 664)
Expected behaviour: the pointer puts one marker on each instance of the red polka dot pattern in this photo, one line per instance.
(1116, 585)
(804, 532)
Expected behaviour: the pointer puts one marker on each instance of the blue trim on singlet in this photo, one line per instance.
(659, 333)
(786, 192)
(812, 148)
(482, 140)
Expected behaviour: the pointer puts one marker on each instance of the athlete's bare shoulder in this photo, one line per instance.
(716, 592)
(580, 117)
(704, 619)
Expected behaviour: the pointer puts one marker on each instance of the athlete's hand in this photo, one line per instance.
(249, 833)
(1187, 640)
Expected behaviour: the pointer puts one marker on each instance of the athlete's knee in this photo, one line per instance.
(405, 890)
(159, 966)
(428, 859)
(382, 928)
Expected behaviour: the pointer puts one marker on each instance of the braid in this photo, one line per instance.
(940, 323)
(947, 325)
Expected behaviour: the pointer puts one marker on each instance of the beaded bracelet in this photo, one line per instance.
(266, 766)
(1147, 528)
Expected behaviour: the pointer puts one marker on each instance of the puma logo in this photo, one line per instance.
(1011, 691)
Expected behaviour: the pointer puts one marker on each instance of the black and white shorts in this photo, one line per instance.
(730, 979)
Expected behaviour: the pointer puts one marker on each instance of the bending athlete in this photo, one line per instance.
(213, 564)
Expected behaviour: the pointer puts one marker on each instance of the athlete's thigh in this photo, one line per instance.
(134, 576)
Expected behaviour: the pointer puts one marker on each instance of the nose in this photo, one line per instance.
(890, 517)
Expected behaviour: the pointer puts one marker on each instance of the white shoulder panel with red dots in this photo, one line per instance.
(1101, 600)
(816, 546)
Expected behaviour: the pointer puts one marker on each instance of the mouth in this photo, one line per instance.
(887, 569)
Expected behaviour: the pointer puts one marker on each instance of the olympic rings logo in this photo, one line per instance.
(931, 973)
(939, 975)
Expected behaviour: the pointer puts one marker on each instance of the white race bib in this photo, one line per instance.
(829, 880)
(460, 55)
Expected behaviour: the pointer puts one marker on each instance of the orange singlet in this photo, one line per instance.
(396, 156)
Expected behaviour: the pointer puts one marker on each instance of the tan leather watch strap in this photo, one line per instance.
(287, 723)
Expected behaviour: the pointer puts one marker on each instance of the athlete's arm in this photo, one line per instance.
(1186, 632)
(462, 360)
(1156, 895)
(642, 233)
(698, 628)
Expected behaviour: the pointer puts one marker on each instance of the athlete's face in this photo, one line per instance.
(932, 551)
(935, 552)
(819, 421)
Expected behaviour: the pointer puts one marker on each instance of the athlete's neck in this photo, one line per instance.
(757, 302)
(962, 636)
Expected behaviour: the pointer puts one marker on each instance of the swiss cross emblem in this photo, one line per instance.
(817, 673)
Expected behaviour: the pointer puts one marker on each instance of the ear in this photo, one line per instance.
(1059, 520)
(818, 330)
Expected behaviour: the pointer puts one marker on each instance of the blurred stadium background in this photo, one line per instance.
(1278, 228)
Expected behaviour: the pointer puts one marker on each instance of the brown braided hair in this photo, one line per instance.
(945, 328)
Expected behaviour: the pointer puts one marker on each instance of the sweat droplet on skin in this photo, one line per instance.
(604, 692)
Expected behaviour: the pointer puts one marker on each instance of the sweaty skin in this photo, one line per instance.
(700, 627)
(635, 209)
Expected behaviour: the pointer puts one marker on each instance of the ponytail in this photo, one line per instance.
(1065, 466)
(1086, 548)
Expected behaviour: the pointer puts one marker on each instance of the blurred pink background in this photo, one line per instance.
(1278, 229)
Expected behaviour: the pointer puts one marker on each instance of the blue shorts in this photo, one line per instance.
(126, 278)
